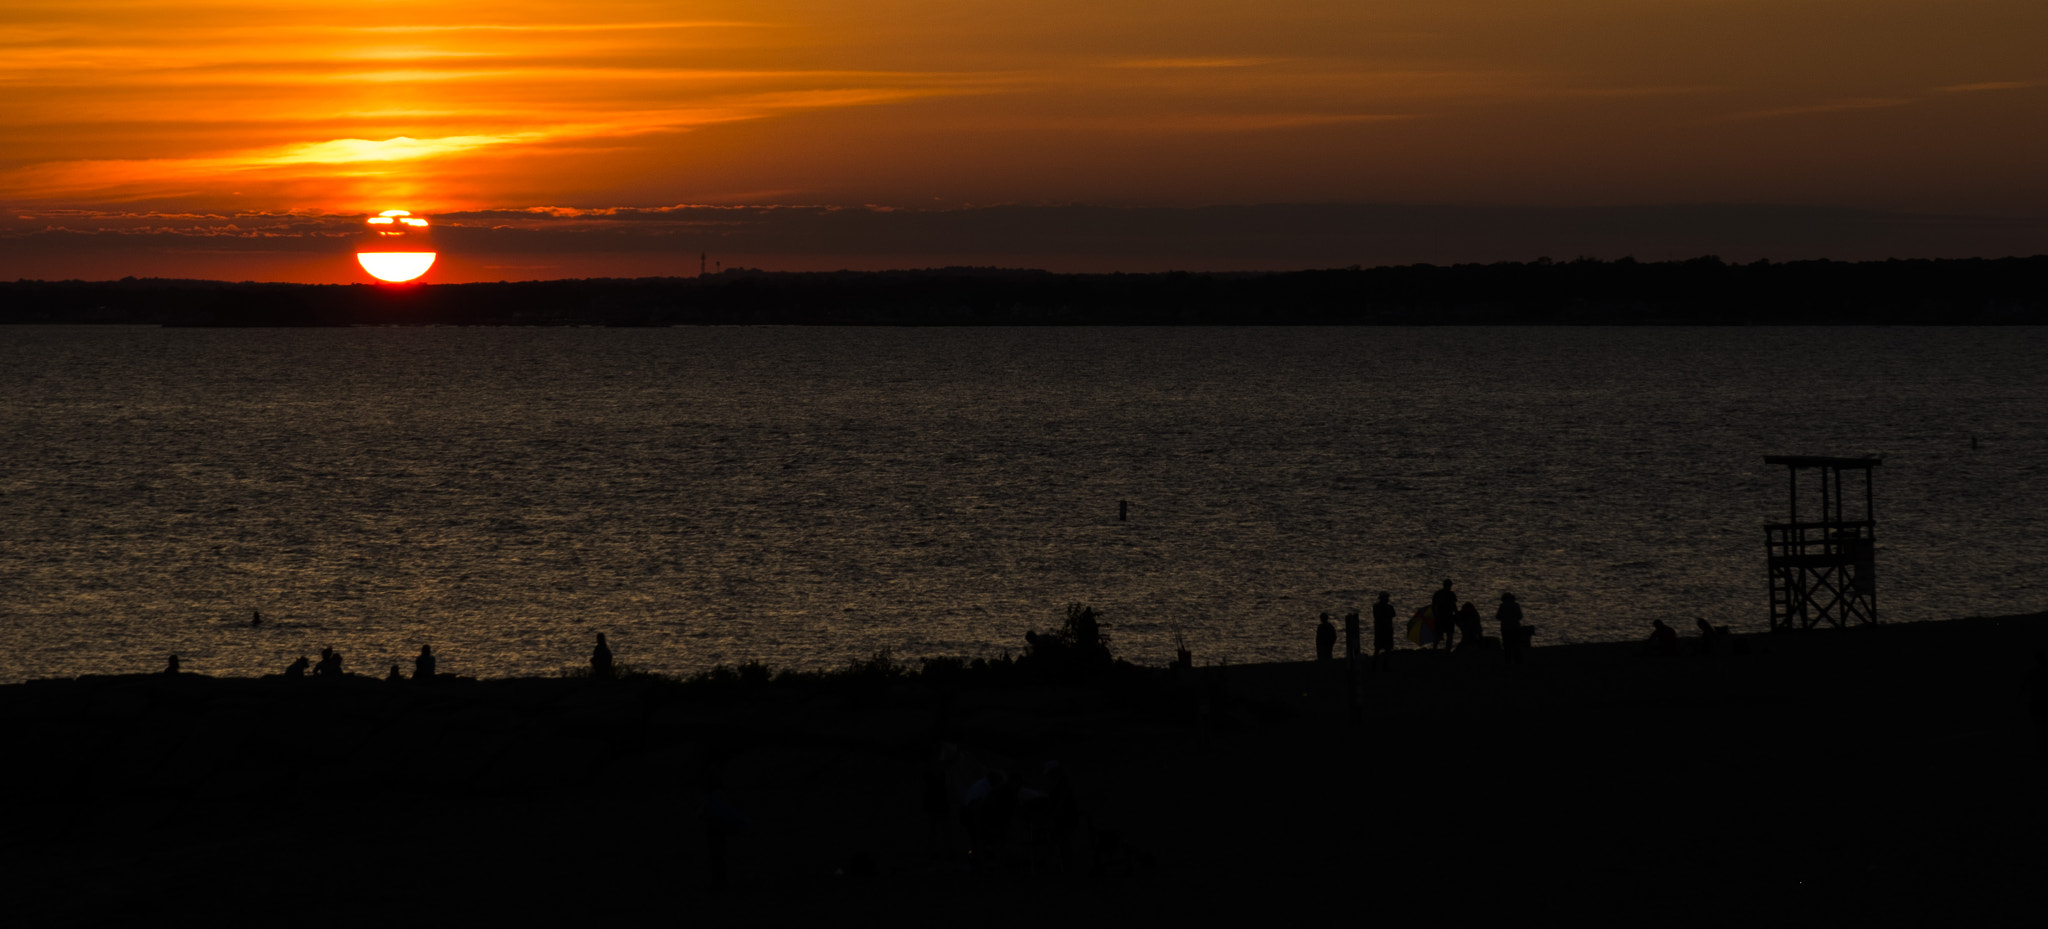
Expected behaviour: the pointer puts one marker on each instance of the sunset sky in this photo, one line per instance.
(247, 139)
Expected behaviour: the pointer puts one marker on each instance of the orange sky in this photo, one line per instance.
(172, 108)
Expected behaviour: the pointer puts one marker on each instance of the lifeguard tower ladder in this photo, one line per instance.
(1824, 570)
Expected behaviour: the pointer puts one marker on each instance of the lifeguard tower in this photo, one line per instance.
(1824, 570)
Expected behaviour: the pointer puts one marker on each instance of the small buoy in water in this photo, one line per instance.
(1123, 510)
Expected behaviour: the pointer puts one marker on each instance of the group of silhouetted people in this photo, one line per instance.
(1443, 624)
(1001, 812)
(423, 665)
(1354, 642)
(329, 666)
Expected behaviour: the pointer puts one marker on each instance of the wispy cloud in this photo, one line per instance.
(1830, 106)
(1852, 104)
(552, 28)
(1192, 63)
(414, 156)
(1989, 85)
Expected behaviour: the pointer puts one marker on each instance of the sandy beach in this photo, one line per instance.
(1886, 772)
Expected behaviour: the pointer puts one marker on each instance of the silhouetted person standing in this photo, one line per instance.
(1382, 629)
(423, 665)
(601, 660)
(1326, 639)
(1443, 613)
(1510, 618)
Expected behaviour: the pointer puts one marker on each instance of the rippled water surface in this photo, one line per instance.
(805, 496)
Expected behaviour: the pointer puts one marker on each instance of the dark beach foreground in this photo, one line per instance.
(1884, 773)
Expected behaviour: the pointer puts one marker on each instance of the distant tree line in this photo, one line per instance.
(1700, 291)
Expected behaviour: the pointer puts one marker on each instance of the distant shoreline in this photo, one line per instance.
(1699, 291)
(1558, 653)
(1405, 653)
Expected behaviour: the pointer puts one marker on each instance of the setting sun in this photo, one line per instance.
(392, 251)
(395, 267)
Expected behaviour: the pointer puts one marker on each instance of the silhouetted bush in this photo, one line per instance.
(1078, 649)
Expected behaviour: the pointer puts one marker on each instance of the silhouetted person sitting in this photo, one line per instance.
(1663, 639)
(394, 675)
(1509, 615)
(1443, 610)
(330, 664)
(423, 665)
(172, 668)
(1469, 626)
(601, 660)
(1382, 629)
(999, 810)
(990, 805)
(297, 668)
(1326, 639)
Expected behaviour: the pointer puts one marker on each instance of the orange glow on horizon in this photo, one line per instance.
(216, 108)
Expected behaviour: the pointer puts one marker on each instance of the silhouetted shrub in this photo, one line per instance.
(1078, 648)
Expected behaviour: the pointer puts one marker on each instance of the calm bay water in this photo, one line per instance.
(807, 496)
